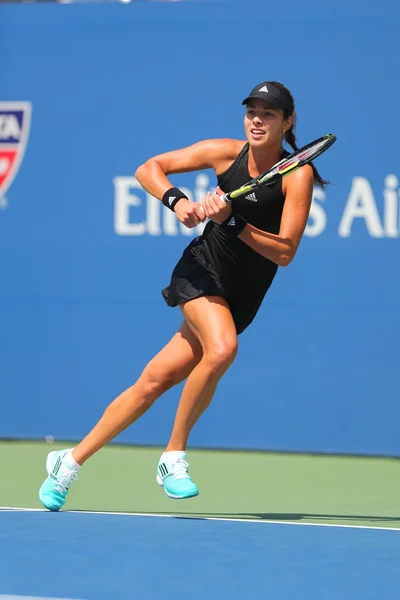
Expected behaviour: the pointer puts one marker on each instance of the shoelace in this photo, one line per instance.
(64, 480)
(180, 469)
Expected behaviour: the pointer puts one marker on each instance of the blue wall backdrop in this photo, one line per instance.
(85, 252)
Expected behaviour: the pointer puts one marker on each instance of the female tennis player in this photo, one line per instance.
(219, 283)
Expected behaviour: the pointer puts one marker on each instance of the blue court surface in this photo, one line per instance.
(96, 556)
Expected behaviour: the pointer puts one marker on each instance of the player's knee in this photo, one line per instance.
(222, 353)
(156, 382)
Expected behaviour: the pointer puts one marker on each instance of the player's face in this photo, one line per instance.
(263, 123)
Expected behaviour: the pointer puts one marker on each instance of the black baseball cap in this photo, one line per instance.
(270, 93)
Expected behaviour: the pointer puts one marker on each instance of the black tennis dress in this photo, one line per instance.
(218, 263)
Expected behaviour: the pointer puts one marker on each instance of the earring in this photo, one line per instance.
(283, 133)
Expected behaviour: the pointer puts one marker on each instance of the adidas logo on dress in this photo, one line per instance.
(251, 197)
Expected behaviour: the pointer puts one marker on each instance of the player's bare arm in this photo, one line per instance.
(215, 154)
(282, 248)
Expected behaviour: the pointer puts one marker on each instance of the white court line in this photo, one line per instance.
(8, 597)
(15, 509)
(230, 519)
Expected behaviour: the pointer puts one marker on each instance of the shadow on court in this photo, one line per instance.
(311, 516)
(279, 517)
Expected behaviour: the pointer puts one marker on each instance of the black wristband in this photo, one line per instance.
(172, 196)
(234, 224)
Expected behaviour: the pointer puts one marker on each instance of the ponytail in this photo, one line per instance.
(290, 138)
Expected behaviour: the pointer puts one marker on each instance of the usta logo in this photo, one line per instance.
(15, 119)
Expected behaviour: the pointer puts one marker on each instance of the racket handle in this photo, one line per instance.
(225, 198)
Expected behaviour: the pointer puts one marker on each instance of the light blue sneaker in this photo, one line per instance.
(54, 490)
(173, 476)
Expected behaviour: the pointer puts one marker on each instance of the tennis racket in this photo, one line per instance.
(284, 167)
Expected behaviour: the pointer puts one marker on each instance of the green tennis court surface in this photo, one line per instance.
(244, 485)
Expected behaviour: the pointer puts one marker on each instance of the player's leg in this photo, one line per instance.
(211, 321)
(169, 367)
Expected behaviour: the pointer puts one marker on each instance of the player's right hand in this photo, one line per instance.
(189, 213)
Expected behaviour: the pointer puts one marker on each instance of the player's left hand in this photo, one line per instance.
(216, 209)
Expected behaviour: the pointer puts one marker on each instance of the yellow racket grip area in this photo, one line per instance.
(241, 191)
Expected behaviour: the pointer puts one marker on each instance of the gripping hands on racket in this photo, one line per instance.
(215, 208)
(212, 207)
(189, 213)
